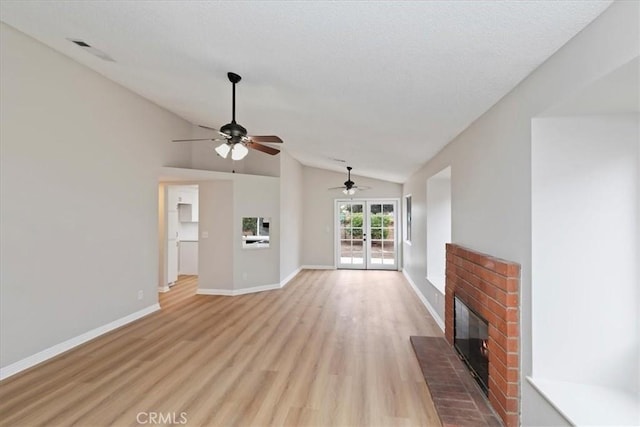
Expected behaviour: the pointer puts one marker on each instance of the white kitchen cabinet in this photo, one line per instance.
(188, 206)
(185, 212)
(188, 258)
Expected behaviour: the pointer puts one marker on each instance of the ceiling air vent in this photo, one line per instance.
(80, 43)
(92, 50)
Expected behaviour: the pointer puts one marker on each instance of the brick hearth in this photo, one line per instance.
(490, 286)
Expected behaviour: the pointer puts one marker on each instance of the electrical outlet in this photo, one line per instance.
(140, 294)
(204, 235)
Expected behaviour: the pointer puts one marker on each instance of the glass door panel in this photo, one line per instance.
(367, 234)
(382, 242)
(351, 251)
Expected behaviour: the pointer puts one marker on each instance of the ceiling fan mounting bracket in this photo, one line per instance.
(233, 77)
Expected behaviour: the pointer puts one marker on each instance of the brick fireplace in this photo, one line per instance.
(490, 286)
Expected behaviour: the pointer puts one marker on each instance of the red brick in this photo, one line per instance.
(501, 325)
(512, 375)
(511, 420)
(512, 405)
(513, 284)
(496, 279)
(496, 353)
(499, 381)
(499, 309)
(513, 300)
(498, 366)
(500, 296)
(496, 397)
(513, 270)
(513, 315)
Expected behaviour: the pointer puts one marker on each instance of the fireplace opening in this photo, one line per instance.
(471, 333)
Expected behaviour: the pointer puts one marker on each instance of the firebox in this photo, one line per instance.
(471, 333)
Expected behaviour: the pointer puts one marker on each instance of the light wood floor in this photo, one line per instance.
(330, 349)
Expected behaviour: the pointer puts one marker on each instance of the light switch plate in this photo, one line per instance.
(205, 235)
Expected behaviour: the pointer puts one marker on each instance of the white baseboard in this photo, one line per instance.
(57, 349)
(163, 289)
(244, 291)
(318, 267)
(223, 292)
(424, 300)
(234, 292)
(284, 282)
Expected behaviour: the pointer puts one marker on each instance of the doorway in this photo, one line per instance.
(178, 227)
(367, 234)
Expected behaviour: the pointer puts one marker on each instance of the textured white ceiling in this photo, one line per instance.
(382, 85)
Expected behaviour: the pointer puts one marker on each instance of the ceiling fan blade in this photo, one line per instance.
(262, 148)
(222, 134)
(265, 138)
(337, 188)
(191, 140)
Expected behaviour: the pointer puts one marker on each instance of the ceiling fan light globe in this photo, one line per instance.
(238, 152)
(352, 191)
(223, 150)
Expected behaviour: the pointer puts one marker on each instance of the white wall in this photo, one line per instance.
(438, 226)
(585, 250)
(215, 252)
(318, 210)
(491, 170)
(291, 216)
(79, 197)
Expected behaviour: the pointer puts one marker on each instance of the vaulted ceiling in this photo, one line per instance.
(381, 85)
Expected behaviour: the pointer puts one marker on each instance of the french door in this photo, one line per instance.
(367, 237)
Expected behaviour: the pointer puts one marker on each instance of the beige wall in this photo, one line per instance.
(79, 195)
(318, 210)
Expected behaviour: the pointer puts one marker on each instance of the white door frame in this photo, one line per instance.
(366, 228)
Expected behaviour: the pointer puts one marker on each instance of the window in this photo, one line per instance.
(255, 232)
(408, 218)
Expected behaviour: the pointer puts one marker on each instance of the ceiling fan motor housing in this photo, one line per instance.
(235, 131)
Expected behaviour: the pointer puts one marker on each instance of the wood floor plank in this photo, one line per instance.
(330, 349)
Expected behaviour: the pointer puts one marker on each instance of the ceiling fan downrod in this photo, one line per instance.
(233, 78)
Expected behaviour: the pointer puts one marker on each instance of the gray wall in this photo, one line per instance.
(256, 196)
(491, 170)
(78, 163)
(215, 256)
(291, 196)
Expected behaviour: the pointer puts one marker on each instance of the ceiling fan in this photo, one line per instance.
(349, 187)
(234, 136)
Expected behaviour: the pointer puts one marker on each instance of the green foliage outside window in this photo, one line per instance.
(250, 226)
(377, 221)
